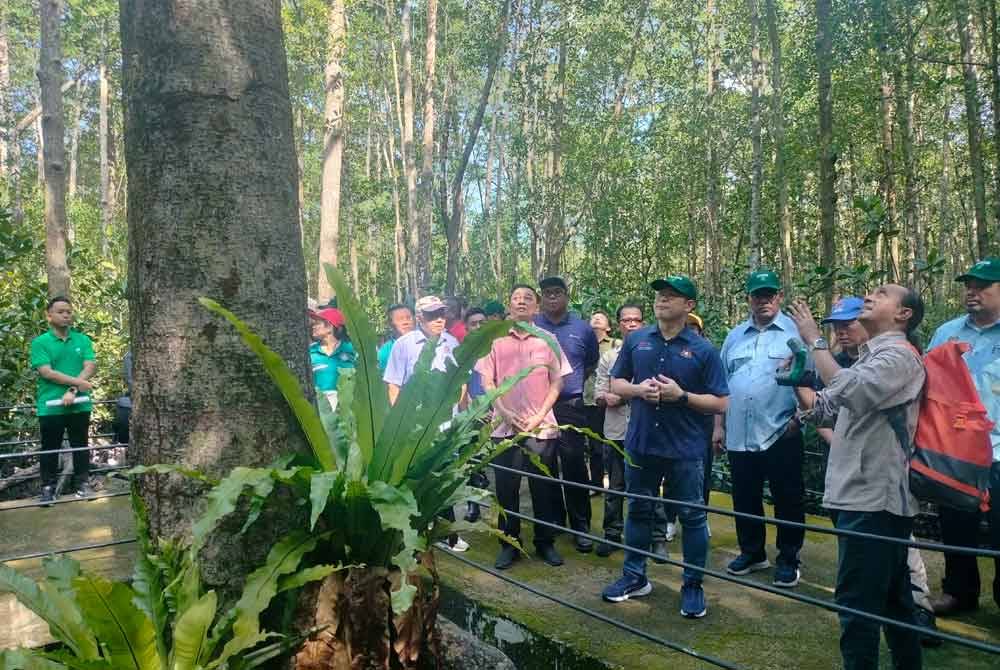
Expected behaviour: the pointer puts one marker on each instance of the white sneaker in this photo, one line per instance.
(671, 532)
(460, 545)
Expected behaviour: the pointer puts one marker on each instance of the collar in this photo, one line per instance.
(779, 323)
(880, 340)
(520, 334)
(979, 329)
(561, 322)
(684, 336)
(606, 338)
(69, 332)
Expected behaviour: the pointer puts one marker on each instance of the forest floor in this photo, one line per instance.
(749, 628)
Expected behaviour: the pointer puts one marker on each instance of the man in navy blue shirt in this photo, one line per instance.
(673, 378)
(579, 344)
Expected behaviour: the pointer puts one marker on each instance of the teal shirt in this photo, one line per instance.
(384, 352)
(65, 356)
(326, 368)
(983, 360)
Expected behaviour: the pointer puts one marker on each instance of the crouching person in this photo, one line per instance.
(867, 478)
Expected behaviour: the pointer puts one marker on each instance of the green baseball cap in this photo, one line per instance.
(987, 269)
(761, 279)
(679, 283)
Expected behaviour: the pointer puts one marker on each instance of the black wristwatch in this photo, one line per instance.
(683, 399)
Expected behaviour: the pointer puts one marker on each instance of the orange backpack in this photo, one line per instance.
(952, 454)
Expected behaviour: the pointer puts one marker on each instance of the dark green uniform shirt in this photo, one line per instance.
(65, 356)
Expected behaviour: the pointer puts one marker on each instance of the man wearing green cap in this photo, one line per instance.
(760, 431)
(980, 327)
(672, 378)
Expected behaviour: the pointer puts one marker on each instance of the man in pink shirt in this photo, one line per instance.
(526, 408)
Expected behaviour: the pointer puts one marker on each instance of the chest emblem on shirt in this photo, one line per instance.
(686, 353)
(644, 346)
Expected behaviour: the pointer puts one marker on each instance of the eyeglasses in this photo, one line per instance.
(630, 319)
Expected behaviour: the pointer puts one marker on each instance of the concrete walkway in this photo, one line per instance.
(750, 628)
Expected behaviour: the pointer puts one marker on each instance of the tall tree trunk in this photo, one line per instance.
(963, 19)
(300, 149)
(40, 152)
(425, 223)
(53, 136)
(409, 156)
(944, 190)
(6, 118)
(107, 185)
(995, 77)
(454, 222)
(333, 147)
(74, 142)
(212, 212)
(713, 262)
(555, 230)
(782, 210)
(757, 159)
(827, 158)
(906, 95)
(887, 177)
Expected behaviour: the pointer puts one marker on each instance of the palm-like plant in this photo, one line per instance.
(375, 481)
(163, 621)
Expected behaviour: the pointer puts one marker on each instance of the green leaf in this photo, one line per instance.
(223, 497)
(319, 494)
(306, 575)
(370, 399)
(57, 610)
(147, 579)
(126, 635)
(397, 508)
(287, 383)
(261, 586)
(60, 571)
(25, 659)
(191, 633)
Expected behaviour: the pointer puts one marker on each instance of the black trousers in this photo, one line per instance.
(51, 429)
(873, 577)
(572, 458)
(781, 466)
(961, 572)
(544, 495)
(595, 448)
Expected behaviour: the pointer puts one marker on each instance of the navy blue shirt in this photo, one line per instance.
(670, 430)
(579, 343)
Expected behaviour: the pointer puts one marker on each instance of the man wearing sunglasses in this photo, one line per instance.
(431, 320)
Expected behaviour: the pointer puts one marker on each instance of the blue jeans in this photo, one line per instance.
(683, 481)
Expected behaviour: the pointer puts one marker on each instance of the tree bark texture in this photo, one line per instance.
(104, 143)
(74, 144)
(887, 178)
(409, 157)
(757, 158)
(426, 220)
(783, 211)
(827, 159)
(210, 155)
(53, 130)
(713, 262)
(973, 125)
(6, 118)
(995, 77)
(333, 147)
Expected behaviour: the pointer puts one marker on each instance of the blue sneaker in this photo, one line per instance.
(744, 564)
(786, 574)
(627, 587)
(693, 601)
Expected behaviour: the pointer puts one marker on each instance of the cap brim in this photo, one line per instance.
(969, 275)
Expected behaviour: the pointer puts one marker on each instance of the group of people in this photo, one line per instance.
(665, 400)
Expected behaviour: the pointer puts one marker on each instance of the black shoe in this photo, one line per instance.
(660, 549)
(548, 553)
(508, 554)
(48, 496)
(604, 549)
(472, 512)
(926, 619)
(583, 544)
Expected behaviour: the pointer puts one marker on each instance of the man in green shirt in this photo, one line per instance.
(64, 360)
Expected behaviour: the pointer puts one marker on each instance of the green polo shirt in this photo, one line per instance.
(62, 355)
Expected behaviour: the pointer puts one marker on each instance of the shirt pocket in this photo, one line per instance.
(739, 357)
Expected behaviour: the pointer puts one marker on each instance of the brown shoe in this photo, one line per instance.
(947, 604)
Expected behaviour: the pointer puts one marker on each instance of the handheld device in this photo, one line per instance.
(793, 374)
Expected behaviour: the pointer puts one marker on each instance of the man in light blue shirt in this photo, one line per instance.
(760, 431)
(980, 327)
